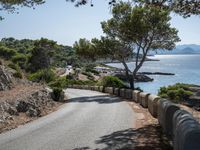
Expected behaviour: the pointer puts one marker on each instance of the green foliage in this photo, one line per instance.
(6, 53)
(110, 81)
(39, 59)
(92, 71)
(46, 75)
(19, 50)
(19, 58)
(85, 50)
(57, 93)
(176, 93)
(18, 73)
(70, 76)
(89, 75)
(63, 82)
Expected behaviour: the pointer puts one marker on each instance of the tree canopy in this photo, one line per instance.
(85, 50)
(184, 8)
(134, 31)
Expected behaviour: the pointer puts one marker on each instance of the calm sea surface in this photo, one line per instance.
(185, 67)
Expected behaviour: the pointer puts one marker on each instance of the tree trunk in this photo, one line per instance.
(129, 77)
(131, 81)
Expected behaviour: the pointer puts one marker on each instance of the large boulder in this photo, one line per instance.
(33, 112)
(5, 78)
(22, 106)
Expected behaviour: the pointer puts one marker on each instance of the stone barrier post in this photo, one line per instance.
(136, 95)
(96, 88)
(153, 105)
(128, 94)
(101, 89)
(122, 93)
(116, 91)
(186, 131)
(144, 99)
(166, 111)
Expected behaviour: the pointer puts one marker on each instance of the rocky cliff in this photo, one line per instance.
(5, 78)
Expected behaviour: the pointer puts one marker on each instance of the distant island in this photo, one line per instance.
(180, 49)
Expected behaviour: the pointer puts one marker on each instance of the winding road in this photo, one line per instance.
(89, 120)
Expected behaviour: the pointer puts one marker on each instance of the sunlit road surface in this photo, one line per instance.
(89, 120)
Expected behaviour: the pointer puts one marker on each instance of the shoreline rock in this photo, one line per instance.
(156, 73)
(139, 78)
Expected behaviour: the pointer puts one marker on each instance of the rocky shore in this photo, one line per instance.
(156, 73)
(139, 77)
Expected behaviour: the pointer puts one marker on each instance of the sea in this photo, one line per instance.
(185, 67)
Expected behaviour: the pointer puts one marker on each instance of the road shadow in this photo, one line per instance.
(149, 137)
(105, 99)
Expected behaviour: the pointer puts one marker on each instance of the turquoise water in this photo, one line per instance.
(185, 67)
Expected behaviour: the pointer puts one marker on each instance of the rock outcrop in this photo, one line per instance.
(5, 78)
(138, 78)
(35, 105)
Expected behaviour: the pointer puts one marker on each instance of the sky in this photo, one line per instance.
(64, 23)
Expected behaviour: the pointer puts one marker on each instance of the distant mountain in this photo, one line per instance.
(180, 49)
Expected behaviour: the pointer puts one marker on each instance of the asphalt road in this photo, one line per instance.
(88, 121)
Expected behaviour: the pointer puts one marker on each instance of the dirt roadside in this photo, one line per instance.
(149, 135)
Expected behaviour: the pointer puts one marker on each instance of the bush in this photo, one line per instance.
(6, 53)
(58, 94)
(62, 82)
(92, 71)
(70, 76)
(89, 75)
(18, 73)
(19, 58)
(110, 81)
(46, 75)
(176, 93)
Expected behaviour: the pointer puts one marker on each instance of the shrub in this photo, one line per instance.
(176, 93)
(18, 73)
(92, 71)
(58, 94)
(6, 53)
(70, 76)
(19, 58)
(46, 75)
(110, 81)
(59, 83)
(62, 82)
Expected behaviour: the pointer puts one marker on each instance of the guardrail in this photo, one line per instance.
(178, 124)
